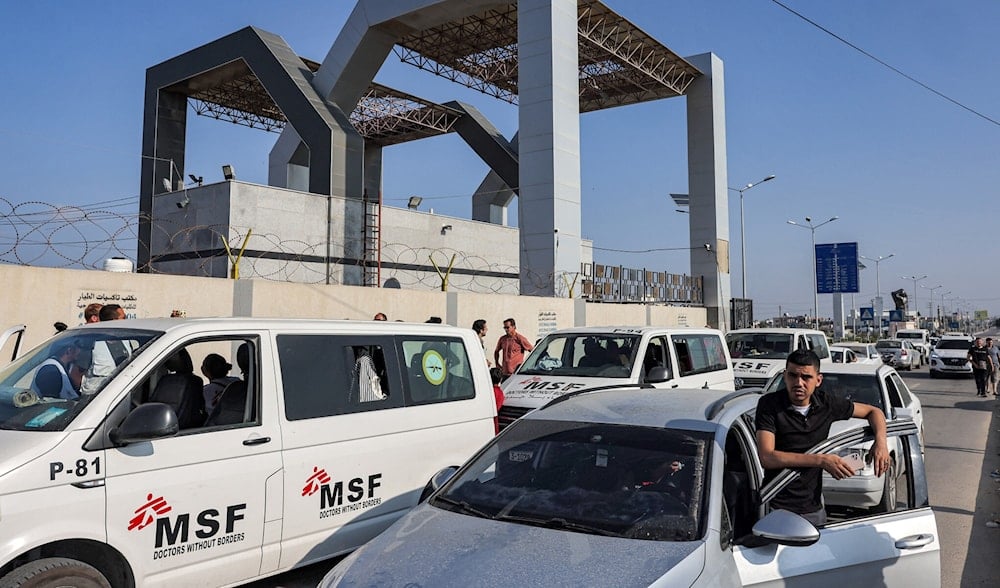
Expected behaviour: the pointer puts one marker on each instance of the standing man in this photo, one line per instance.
(91, 314)
(479, 326)
(980, 359)
(512, 345)
(106, 354)
(994, 351)
(792, 421)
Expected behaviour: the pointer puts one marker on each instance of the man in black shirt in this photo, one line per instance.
(979, 355)
(792, 421)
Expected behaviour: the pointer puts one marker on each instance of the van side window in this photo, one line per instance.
(326, 375)
(818, 344)
(437, 370)
(656, 355)
(698, 354)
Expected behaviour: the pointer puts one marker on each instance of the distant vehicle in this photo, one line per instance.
(635, 487)
(899, 353)
(866, 352)
(879, 386)
(760, 353)
(951, 356)
(842, 355)
(921, 339)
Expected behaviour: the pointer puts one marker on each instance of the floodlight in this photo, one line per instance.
(228, 173)
(414, 202)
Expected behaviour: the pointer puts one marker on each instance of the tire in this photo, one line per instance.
(55, 572)
(888, 503)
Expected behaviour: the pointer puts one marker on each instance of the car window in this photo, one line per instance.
(819, 346)
(617, 480)
(699, 353)
(657, 354)
(759, 345)
(904, 392)
(854, 387)
(437, 370)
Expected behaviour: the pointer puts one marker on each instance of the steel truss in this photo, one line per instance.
(387, 117)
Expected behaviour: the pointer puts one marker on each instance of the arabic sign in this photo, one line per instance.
(127, 300)
(836, 268)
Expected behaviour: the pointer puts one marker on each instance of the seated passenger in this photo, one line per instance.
(216, 369)
(57, 377)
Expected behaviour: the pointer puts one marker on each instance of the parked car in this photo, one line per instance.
(899, 353)
(920, 339)
(760, 353)
(882, 387)
(951, 356)
(866, 352)
(842, 354)
(634, 487)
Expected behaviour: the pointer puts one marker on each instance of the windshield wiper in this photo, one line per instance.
(558, 523)
(463, 507)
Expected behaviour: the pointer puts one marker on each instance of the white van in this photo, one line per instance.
(323, 435)
(758, 354)
(576, 359)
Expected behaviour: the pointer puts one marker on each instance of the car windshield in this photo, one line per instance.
(885, 344)
(46, 388)
(608, 355)
(954, 344)
(616, 480)
(902, 335)
(863, 388)
(759, 345)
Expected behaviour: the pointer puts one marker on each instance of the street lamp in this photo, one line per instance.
(878, 285)
(812, 229)
(930, 305)
(915, 280)
(743, 240)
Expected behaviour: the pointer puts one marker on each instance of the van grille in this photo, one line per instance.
(509, 414)
(754, 382)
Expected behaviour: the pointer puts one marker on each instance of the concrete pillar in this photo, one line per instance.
(549, 145)
(707, 186)
(838, 316)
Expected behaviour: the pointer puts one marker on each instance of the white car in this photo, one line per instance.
(865, 352)
(951, 356)
(899, 353)
(842, 354)
(634, 487)
(881, 387)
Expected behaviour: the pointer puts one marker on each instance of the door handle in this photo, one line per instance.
(257, 441)
(914, 541)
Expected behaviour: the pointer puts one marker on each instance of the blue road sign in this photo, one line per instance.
(896, 316)
(867, 314)
(953, 324)
(837, 268)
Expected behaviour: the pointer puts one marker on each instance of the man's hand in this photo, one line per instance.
(835, 466)
(880, 458)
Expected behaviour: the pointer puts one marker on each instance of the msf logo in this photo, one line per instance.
(337, 493)
(177, 529)
(315, 482)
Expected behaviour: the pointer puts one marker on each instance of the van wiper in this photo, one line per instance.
(558, 523)
(463, 507)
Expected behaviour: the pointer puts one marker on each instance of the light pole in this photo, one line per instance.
(812, 229)
(915, 280)
(743, 239)
(931, 303)
(878, 286)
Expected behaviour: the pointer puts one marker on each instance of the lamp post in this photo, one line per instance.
(812, 229)
(743, 239)
(915, 280)
(930, 305)
(878, 285)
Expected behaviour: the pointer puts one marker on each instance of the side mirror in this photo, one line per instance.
(437, 480)
(786, 528)
(153, 420)
(658, 374)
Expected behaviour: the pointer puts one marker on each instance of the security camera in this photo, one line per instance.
(555, 230)
(708, 246)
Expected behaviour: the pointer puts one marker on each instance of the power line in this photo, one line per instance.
(883, 63)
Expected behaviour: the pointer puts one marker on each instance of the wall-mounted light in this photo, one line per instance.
(228, 173)
(445, 229)
(414, 202)
(184, 201)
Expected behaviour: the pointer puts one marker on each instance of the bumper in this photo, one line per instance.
(943, 368)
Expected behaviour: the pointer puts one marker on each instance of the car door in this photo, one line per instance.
(856, 547)
(190, 509)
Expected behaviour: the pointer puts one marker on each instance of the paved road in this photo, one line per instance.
(959, 461)
(958, 464)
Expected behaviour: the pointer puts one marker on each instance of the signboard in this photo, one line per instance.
(867, 314)
(982, 315)
(953, 324)
(837, 268)
(896, 316)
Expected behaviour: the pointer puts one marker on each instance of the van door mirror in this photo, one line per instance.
(153, 420)
(437, 480)
(658, 374)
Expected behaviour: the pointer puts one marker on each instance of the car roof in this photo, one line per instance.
(854, 368)
(786, 330)
(698, 408)
(629, 330)
(236, 323)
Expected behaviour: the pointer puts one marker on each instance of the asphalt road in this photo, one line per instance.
(959, 460)
(963, 495)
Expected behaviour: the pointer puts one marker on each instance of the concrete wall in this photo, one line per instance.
(39, 297)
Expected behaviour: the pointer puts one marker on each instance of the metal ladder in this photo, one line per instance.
(372, 258)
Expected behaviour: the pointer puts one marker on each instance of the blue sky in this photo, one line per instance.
(906, 171)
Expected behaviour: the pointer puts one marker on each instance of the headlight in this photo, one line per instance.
(935, 356)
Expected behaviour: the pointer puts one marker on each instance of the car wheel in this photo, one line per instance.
(55, 571)
(888, 503)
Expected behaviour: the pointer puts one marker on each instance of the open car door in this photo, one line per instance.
(10, 342)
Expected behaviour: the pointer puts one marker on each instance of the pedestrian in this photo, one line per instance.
(994, 351)
(92, 313)
(479, 326)
(509, 352)
(790, 422)
(980, 359)
(380, 316)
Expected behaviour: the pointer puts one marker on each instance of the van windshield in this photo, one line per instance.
(46, 388)
(608, 355)
(902, 335)
(759, 345)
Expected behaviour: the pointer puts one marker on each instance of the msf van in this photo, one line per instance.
(213, 452)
